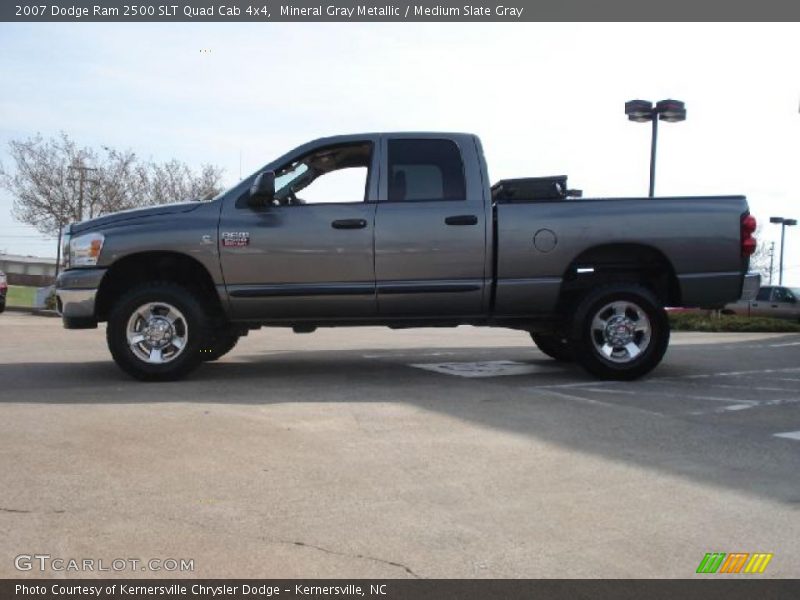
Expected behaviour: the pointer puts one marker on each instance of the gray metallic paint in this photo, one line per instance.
(406, 263)
(414, 246)
(679, 228)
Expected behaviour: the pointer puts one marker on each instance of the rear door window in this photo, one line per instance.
(428, 169)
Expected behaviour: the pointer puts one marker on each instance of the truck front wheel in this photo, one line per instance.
(157, 330)
(620, 332)
(222, 342)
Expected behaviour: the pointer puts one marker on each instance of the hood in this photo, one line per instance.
(134, 213)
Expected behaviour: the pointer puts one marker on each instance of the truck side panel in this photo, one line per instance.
(539, 242)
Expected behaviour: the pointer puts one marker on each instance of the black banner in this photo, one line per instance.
(393, 11)
(711, 588)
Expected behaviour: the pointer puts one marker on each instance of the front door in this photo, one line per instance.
(308, 254)
(783, 304)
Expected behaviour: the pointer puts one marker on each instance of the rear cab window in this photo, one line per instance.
(425, 169)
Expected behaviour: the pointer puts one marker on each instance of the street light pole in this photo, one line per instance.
(784, 223)
(780, 268)
(642, 111)
(653, 144)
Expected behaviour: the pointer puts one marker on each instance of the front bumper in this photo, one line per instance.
(751, 285)
(76, 291)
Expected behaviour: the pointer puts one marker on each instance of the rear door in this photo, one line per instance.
(430, 228)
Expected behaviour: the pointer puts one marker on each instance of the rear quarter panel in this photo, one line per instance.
(700, 236)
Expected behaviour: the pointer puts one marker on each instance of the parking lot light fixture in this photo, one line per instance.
(642, 111)
(784, 223)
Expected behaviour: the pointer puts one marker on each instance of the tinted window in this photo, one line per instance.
(763, 294)
(782, 295)
(425, 170)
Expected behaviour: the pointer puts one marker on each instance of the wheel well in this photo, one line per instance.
(621, 263)
(139, 268)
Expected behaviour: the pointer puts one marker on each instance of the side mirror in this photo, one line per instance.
(263, 189)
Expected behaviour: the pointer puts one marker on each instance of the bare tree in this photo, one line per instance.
(56, 182)
(174, 179)
(761, 260)
(44, 197)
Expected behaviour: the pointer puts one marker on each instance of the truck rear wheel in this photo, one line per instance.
(554, 346)
(620, 331)
(156, 332)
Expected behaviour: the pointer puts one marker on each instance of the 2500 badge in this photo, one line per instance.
(235, 239)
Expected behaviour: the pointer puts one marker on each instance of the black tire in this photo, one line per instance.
(194, 325)
(632, 315)
(553, 345)
(223, 341)
(2, 305)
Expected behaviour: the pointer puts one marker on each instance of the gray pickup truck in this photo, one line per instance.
(777, 302)
(402, 230)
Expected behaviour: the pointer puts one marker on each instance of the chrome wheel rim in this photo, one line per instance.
(621, 331)
(157, 333)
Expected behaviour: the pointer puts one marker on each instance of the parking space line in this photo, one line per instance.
(738, 387)
(595, 402)
(748, 406)
(789, 435)
(666, 394)
(733, 373)
(611, 391)
(668, 378)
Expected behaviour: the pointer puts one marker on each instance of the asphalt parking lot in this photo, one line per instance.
(418, 453)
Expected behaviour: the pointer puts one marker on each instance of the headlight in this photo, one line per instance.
(84, 250)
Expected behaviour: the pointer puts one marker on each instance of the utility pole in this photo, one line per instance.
(81, 179)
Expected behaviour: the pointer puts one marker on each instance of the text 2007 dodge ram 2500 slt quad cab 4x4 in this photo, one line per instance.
(420, 239)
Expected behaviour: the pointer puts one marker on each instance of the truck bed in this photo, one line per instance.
(536, 239)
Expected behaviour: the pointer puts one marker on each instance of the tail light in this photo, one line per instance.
(748, 227)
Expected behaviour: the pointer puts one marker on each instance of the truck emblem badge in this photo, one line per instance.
(235, 239)
(207, 239)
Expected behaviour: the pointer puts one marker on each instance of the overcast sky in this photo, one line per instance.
(545, 98)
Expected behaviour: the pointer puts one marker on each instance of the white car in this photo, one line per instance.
(778, 302)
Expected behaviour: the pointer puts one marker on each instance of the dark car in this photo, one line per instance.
(3, 291)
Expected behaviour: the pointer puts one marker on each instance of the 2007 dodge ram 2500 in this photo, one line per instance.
(403, 230)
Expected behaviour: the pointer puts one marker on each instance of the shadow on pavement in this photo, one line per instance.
(695, 449)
